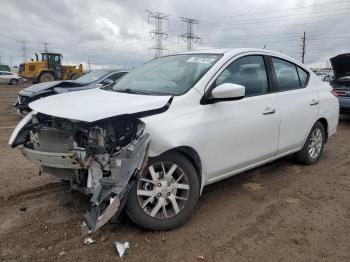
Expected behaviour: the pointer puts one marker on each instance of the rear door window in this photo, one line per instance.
(288, 75)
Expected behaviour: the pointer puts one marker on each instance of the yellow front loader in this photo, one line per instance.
(50, 68)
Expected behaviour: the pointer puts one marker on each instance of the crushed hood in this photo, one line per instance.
(42, 86)
(341, 65)
(47, 86)
(96, 104)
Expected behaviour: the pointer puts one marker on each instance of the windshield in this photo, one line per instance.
(91, 76)
(170, 75)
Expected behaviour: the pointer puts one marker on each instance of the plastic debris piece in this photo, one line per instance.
(200, 258)
(121, 247)
(88, 241)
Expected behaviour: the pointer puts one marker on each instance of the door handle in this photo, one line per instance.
(269, 111)
(314, 102)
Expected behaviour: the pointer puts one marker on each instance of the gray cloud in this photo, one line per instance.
(115, 33)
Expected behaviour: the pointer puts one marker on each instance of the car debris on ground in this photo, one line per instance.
(88, 241)
(121, 247)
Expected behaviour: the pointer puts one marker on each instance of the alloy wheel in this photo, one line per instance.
(315, 143)
(163, 190)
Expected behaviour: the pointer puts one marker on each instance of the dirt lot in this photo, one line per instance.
(279, 212)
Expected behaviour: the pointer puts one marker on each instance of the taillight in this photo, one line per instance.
(333, 92)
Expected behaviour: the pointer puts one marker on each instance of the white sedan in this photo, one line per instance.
(176, 124)
(9, 78)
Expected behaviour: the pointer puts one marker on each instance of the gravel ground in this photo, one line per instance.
(278, 212)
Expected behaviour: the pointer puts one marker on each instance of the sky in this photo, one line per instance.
(115, 33)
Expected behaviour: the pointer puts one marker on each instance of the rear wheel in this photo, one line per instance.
(14, 82)
(166, 193)
(74, 76)
(313, 146)
(46, 77)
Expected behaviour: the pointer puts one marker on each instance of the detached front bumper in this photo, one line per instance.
(70, 160)
(111, 190)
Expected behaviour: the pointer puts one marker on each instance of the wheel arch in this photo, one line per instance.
(324, 122)
(191, 155)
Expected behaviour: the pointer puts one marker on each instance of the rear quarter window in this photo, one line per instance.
(288, 75)
(303, 76)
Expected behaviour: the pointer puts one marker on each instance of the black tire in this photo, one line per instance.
(73, 77)
(46, 77)
(304, 156)
(14, 82)
(140, 217)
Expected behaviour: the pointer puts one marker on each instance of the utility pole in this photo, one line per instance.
(11, 61)
(24, 50)
(303, 47)
(46, 46)
(189, 37)
(158, 34)
(0, 59)
(89, 65)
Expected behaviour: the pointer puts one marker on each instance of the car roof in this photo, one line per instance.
(232, 51)
(237, 51)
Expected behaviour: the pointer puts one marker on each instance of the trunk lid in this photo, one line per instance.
(341, 65)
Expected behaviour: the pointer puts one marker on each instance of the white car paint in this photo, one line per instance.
(6, 77)
(229, 137)
(95, 104)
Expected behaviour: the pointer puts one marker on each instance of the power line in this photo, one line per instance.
(189, 37)
(158, 34)
(282, 18)
(277, 11)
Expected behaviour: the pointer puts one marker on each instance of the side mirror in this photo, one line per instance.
(106, 82)
(227, 91)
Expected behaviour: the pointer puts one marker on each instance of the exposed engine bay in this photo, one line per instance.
(102, 158)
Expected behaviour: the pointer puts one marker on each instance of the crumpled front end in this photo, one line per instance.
(102, 158)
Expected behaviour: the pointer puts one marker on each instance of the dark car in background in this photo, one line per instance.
(94, 79)
(341, 81)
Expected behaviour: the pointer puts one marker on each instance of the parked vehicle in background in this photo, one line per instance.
(175, 125)
(9, 78)
(5, 68)
(328, 78)
(50, 68)
(341, 81)
(322, 73)
(94, 79)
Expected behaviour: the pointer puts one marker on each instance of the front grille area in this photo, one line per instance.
(54, 140)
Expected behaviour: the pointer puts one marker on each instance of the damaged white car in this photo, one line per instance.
(152, 142)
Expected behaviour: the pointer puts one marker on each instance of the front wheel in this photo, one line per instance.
(313, 147)
(46, 77)
(74, 77)
(166, 194)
